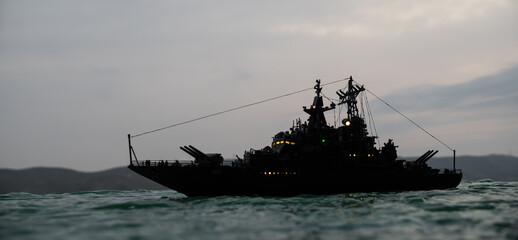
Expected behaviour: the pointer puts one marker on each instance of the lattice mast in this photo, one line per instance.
(349, 98)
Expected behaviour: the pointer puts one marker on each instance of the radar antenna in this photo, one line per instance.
(349, 98)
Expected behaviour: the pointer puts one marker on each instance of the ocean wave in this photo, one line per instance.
(475, 210)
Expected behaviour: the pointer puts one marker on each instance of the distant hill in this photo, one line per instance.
(42, 180)
(59, 180)
(495, 167)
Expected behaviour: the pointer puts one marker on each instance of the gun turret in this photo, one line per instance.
(202, 158)
(425, 157)
(428, 157)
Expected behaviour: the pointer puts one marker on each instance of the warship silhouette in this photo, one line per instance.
(313, 157)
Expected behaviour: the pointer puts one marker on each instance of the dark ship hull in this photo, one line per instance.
(311, 158)
(227, 180)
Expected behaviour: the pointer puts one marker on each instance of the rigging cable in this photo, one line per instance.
(371, 119)
(234, 109)
(334, 109)
(400, 113)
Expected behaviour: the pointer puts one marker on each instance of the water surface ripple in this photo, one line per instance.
(475, 210)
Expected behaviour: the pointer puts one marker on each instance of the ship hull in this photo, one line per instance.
(227, 180)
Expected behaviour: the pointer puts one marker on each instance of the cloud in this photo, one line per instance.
(476, 116)
(499, 90)
(385, 19)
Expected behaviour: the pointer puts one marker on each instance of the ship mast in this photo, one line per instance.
(349, 98)
(317, 109)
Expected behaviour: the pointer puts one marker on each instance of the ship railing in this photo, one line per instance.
(163, 163)
(172, 163)
(450, 171)
(167, 163)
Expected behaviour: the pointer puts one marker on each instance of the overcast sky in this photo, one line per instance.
(77, 76)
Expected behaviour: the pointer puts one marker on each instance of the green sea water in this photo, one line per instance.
(474, 210)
